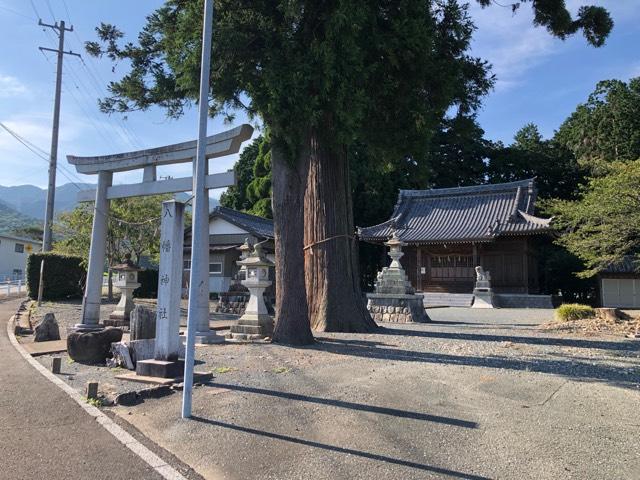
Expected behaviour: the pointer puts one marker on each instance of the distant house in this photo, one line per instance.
(620, 284)
(13, 256)
(228, 230)
(449, 231)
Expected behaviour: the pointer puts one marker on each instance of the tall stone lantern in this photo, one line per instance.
(256, 322)
(394, 299)
(127, 282)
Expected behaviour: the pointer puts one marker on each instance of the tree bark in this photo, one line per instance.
(288, 185)
(332, 279)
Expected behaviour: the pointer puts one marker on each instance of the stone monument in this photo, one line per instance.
(167, 348)
(482, 293)
(127, 282)
(255, 323)
(394, 299)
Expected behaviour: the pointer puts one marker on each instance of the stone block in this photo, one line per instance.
(143, 323)
(47, 330)
(92, 390)
(92, 347)
(160, 368)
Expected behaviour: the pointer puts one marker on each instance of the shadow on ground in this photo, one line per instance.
(576, 370)
(337, 449)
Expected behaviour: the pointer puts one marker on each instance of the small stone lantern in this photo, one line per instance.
(245, 252)
(127, 282)
(256, 322)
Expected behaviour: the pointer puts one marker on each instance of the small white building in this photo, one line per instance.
(13, 256)
(228, 230)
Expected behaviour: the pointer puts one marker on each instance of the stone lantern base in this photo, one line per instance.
(397, 308)
(252, 327)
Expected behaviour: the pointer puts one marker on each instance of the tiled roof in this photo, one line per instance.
(462, 214)
(259, 226)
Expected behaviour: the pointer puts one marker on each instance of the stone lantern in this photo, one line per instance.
(256, 322)
(394, 299)
(127, 282)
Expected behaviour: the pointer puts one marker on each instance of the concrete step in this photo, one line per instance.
(448, 299)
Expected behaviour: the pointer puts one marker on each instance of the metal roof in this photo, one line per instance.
(462, 214)
(258, 226)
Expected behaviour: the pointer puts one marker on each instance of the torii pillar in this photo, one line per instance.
(218, 145)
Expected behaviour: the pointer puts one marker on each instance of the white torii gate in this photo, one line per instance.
(219, 145)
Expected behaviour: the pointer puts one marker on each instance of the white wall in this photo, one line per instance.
(219, 226)
(10, 260)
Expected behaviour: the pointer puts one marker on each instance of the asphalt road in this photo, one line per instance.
(44, 434)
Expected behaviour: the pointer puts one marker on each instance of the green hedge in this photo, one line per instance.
(148, 280)
(574, 311)
(64, 276)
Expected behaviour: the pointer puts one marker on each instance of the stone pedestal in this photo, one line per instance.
(255, 323)
(394, 299)
(482, 293)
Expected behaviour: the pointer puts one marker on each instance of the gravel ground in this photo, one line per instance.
(475, 394)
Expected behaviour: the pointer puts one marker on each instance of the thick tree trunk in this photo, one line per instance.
(110, 286)
(288, 185)
(331, 255)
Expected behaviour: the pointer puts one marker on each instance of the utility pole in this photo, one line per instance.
(53, 159)
(200, 218)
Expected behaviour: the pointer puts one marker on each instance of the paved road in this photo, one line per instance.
(44, 434)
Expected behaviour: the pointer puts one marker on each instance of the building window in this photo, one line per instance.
(17, 273)
(19, 247)
(186, 264)
(215, 268)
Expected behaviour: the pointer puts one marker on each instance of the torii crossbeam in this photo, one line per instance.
(219, 145)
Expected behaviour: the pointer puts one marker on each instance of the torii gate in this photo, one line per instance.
(219, 145)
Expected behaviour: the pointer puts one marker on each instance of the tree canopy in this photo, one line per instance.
(603, 224)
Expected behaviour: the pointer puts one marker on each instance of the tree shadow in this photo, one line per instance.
(350, 405)
(628, 346)
(342, 450)
(454, 323)
(576, 370)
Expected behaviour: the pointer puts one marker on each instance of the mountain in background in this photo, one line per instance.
(12, 220)
(30, 200)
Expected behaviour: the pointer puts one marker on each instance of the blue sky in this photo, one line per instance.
(540, 79)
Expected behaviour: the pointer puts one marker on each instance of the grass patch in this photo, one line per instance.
(94, 402)
(281, 370)
(70, 361)
(223, 370)
(574, 311)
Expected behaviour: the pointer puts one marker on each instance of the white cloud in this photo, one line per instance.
(510, 42)
(11, 87)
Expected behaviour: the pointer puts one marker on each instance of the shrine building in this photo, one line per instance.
(449, 231)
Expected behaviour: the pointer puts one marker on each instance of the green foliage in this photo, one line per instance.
(64, 276)
(133, 228)
(236, 196)
(606, 128)
(594, 22)
(252, 193)
(556, 171)
(148, 280)
(34, 232)
(574, 311)
(603, 224)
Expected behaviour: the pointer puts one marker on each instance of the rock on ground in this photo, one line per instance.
(92, 347)
(47, 329)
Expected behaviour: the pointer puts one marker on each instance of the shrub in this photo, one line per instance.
(574, 311)
(64, 276)
(148, 280)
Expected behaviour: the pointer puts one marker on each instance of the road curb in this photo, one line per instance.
(154, 461)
